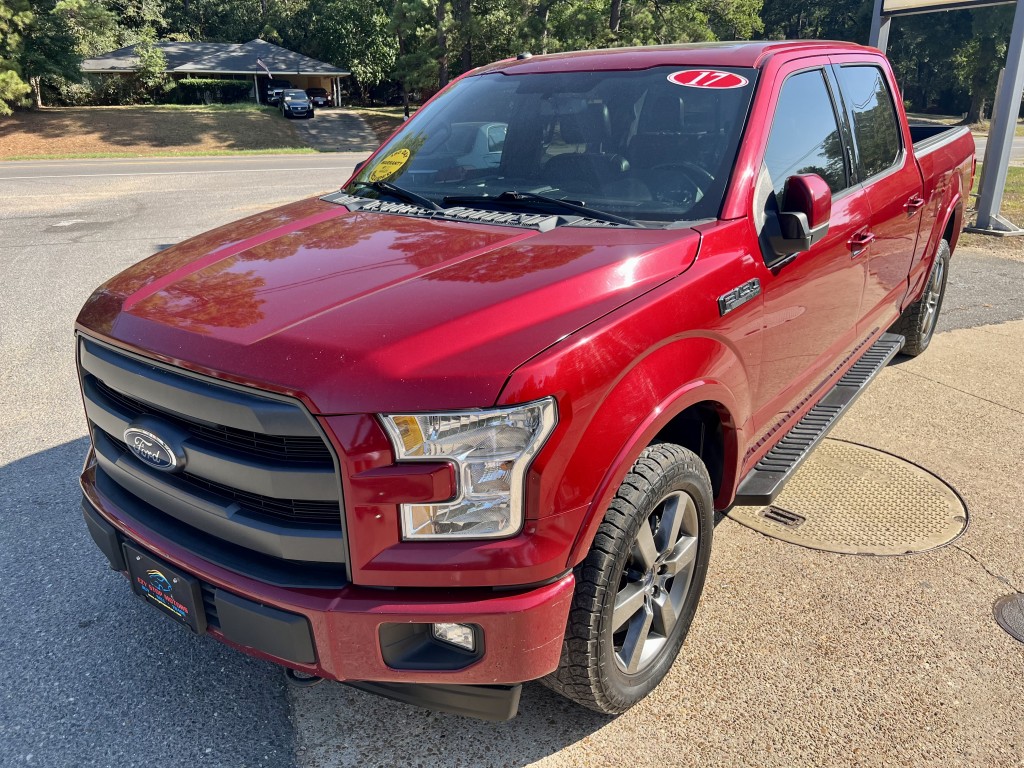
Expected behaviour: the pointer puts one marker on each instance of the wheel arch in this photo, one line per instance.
(954, 223)
(700, 416)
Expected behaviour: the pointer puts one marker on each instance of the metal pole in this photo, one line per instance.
(256, 88)
(1000, 135)
(987, 161)
(879, 36)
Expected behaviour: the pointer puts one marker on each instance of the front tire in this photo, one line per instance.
(638, 589)
(917, 323)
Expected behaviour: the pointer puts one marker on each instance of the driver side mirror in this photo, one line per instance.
(359, 166)
(803, 220)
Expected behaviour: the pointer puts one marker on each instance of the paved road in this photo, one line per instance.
(1016, 150)
(796, 658)
(253, 167)
(89, 679)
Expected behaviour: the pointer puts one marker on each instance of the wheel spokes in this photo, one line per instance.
(636, 638)
(682, 556)
(672, 511)
(655, 581)
(645, 552)
(628, 601)
(665, 613)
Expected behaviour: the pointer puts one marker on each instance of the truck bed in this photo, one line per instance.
(928, 138)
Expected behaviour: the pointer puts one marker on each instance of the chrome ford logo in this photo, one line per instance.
(151, 449)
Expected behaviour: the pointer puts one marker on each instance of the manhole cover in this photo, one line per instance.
(1009, 612)
(857, 500)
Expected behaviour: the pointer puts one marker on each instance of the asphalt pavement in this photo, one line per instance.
(89, 677)
(1016, 148)
(796, 657)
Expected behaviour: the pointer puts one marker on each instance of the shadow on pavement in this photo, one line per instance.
(340, 726)
(335, 130)
(93, 676)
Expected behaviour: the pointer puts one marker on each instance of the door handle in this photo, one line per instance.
(860, 242)
(914, 204)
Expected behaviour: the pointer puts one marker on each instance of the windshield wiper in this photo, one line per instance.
(404, 195)
(533, 200)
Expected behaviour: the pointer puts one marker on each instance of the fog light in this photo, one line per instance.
(459, 635)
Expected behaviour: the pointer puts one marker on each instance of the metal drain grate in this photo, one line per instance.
(852, 499)
(783, 517)
(1009, 614)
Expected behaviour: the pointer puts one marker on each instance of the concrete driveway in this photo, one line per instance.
(796, 657)
(337, 130)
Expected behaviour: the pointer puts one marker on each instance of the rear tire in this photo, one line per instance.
(638, 588)
(917, 323)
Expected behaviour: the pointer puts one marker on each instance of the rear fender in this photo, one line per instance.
(951, 211)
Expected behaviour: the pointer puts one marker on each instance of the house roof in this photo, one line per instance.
(218, 58)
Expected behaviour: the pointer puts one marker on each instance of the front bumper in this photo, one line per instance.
(336, 632)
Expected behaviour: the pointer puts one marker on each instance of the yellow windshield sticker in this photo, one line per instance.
(390, 165)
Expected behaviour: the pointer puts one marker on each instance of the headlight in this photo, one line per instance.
(491, 450)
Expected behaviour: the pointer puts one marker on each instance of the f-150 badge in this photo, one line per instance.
(727, 302)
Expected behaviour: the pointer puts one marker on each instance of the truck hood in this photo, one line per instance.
(359, 312)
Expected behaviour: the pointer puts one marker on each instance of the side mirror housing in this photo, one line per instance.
(803, 220)
(359, 166)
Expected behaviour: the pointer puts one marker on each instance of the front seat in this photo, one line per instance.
(591, 168)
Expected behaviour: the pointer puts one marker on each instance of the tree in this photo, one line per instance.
(817, 19)
(15, 18)
(353, 34)
(978, 62)
(152, 64)
(51, 49)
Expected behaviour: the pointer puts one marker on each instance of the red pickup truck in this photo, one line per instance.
(465, 423)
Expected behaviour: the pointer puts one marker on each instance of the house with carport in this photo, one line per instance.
(257, 61)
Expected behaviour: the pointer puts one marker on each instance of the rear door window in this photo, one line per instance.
(805, 136)
(876, 130)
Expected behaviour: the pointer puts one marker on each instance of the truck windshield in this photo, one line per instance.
(634, 144)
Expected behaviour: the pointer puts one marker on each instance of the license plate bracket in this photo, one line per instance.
(172, 592)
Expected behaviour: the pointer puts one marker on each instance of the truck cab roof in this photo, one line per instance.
(718, 54)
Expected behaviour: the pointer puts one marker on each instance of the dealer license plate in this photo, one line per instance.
(173, 593)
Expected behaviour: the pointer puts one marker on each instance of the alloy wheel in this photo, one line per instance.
(655, 582)
(933, 297)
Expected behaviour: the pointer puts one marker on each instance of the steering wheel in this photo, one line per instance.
(680, 182)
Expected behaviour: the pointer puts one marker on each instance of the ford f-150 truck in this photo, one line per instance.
(465, 422)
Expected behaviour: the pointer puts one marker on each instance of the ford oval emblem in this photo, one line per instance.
(151, 449)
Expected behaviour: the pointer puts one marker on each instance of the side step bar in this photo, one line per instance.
(764, 482)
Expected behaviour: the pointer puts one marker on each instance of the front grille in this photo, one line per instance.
(254, 504)
(293, 510)
(258, 472)
(285, 448)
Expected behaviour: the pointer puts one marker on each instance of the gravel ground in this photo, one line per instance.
(796, 657)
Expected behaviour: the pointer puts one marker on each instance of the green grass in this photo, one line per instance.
(1012, 208)
(244, 106)
(164, 130)
(1013, 195)
(398, 112)
(382, 120)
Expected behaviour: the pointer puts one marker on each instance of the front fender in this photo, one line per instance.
(613, 405)
(642, 433)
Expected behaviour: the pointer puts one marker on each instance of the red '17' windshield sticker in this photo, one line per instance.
(707, 78)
